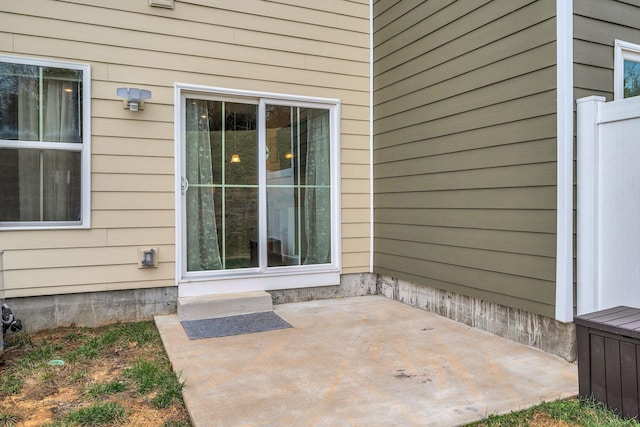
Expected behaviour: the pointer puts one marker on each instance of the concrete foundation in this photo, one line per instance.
(93, 309)
(520, 326)
(351, 285)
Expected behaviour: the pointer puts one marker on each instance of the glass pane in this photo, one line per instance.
(316, 225)
(298, 184)
(9, 186)
(62, 105)
(40, 185)
(283, 226)
(279, 138)
(202, 202)
(62, 185)
(19, 102)
(222, 197)
(241, 144)
(241, 228)
(631, 78)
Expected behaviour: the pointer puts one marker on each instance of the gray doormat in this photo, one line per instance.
(234, 325)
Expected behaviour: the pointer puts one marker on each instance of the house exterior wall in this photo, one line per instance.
(597, 24)
(465, 148)
(290, 46)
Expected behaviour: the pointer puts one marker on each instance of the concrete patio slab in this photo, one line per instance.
(365, 361)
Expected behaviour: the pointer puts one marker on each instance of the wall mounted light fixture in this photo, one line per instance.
(133, 97)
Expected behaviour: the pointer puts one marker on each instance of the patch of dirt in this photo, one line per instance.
(52, 392)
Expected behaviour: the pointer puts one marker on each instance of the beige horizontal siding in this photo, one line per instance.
(133, 200)
(285, 46)
(80, 257)
(30, 288)
(465, 148)
(142, 147)
(79, 276)
(355, 201)
(350, 230)
(597, 23)
(136, 236)
(52, 239)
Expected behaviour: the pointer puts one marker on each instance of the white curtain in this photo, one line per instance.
(317, 203)
(202, 235)
(60, 125)
(28, 160)
(50, 197)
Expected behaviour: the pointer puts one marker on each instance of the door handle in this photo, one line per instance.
(184, 185)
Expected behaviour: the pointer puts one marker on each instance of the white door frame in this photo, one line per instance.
(206, 283)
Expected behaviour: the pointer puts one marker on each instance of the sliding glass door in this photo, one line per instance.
(256, 186)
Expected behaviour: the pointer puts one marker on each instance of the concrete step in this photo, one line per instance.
(223, 305)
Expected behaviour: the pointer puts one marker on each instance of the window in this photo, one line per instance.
(259, 184)
(44, 153)
(626, 70)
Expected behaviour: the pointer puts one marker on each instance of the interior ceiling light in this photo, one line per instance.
(235, 158)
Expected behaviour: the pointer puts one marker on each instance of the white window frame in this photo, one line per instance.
(84, 149)
(623, 51)
(253, 279)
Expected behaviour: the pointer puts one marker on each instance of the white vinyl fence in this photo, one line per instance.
(608, 205)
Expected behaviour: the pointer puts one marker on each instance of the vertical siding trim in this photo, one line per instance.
(180, 222)
(371, 225)
(564, 243)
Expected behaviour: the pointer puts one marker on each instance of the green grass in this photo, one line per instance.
(150, 376)
(98, 414)
(586, 413)
(78, 376)
(8, 419)
(155, 376)
(10, 383)
(105, 389)
(35, 356)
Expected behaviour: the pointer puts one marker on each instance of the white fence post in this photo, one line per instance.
(588, 146)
